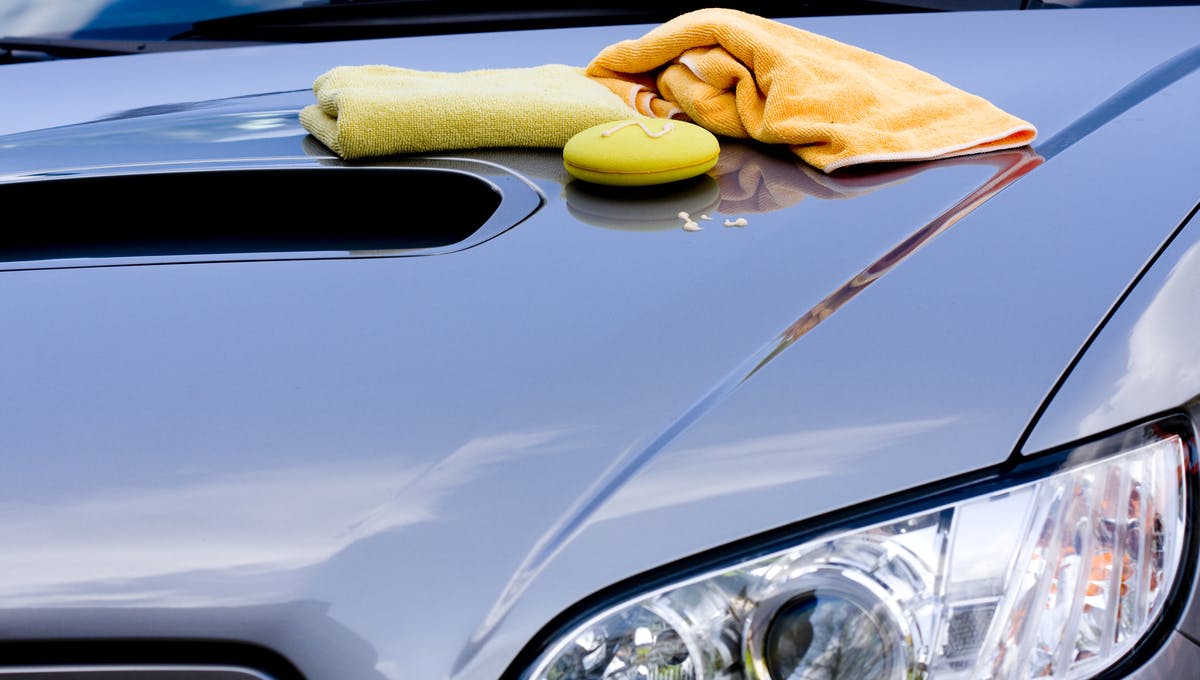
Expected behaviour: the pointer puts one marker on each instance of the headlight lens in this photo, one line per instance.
(1057, 577)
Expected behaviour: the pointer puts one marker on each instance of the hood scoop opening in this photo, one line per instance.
(151, 215)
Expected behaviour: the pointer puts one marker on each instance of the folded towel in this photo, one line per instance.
(742, 75)
(379, 110)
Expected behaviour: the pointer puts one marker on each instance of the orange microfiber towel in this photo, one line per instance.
(836, 105)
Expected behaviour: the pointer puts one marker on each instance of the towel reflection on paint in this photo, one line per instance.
(751, 178)
(1010, 166)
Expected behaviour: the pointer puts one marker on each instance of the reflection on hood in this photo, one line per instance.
(1162, 365)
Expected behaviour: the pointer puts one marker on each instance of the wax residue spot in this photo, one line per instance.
(739, 222)
(705, 217)
(688, 223)
(667, 127)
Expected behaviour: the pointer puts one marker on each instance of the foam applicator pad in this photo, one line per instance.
(640, 152)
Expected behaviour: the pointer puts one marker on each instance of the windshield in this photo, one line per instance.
(321, 20)
(318, 20)
(120, 18)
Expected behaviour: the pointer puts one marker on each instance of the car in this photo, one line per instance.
(269, 413)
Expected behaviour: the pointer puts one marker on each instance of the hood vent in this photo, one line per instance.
(156, 215)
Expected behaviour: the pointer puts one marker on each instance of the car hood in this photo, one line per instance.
(419, 461)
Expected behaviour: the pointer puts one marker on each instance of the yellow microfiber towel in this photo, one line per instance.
(836, 105)
(377, 110)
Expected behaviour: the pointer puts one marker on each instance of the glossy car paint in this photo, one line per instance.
(406, 466)
(1143, 362)
(1179, 658)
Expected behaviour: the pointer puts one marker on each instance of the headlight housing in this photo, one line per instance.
(1054, 569)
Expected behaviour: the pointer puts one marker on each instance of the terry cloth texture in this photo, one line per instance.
(379, 110)
(742, 75)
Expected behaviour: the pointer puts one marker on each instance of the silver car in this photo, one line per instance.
(271, 414)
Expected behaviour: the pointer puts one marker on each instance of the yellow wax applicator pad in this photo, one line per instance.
(640, 152)
(378, 110)
(836, 105)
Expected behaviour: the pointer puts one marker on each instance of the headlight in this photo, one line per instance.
(1056, 572)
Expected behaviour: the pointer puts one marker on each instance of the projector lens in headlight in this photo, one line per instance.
(797, 639)
(1057, 577)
